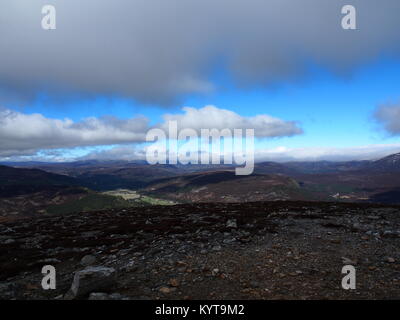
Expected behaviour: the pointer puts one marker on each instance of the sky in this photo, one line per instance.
(111, 71)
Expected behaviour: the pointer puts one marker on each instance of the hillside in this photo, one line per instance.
(18, 181)
(225, 186)
(29, 192)
(26, 192)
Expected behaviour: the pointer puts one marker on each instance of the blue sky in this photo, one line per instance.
(309, 88)
(334, 110)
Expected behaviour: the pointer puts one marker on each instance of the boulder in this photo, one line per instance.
(91, 279)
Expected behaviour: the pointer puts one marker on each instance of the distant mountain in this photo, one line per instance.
(352, 181)
(388, 164)
(317, 167)
(24, 164)
(269, 167)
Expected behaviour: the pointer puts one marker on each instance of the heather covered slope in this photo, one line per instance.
(225, 186)
(18, 181)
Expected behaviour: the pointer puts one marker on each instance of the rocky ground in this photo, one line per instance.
(261, 250)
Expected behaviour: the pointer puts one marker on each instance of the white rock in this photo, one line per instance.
(391, 260)
(231, 223)
(216, 248)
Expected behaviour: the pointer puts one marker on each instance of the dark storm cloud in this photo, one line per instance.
(388, 117)
(157, 50)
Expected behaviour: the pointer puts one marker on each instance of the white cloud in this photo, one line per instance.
(127, 153)
(278, 154)
(369, 152)
(25, 134)
(211, 117)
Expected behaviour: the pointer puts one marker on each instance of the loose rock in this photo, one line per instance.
(89, 280)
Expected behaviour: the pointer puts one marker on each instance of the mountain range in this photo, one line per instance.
(27, 188)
